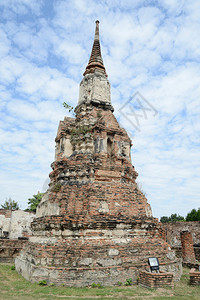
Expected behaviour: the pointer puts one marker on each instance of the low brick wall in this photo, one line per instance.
(194, 277)
(155, 280)
(9, 249)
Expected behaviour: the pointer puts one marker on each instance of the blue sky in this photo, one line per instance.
(150, 47)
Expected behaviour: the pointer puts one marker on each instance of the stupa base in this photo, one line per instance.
(79, 277)
(104, 255)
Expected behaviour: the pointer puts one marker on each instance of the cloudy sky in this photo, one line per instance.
(151, 51)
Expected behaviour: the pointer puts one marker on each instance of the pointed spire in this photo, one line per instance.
(95, 61)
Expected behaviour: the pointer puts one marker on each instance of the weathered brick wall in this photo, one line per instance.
(20, 224)
(14, 224)
(155, 280)
(9, 249)
(134, 240)
(194, 277)
(5, 216)
(5, 212)
(173, 230)
(197, 253)
(93, 249)
(178, 251)
(109, 198)
(91, 256)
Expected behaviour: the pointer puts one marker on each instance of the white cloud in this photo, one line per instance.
(73, 52)
(20, 7)
(150, 15)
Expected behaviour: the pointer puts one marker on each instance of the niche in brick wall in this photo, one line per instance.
(109, 146)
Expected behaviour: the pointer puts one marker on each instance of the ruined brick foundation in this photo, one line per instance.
(172, 234)
(9, 249)
(93, 223)
(14, 233)
(79, 252)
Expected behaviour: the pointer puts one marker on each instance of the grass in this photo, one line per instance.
(14, 286)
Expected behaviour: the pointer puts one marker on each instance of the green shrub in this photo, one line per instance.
(96, 285)
(129, 281)
(52, 284)
(12, 268)
(80, 130)
(42, 282)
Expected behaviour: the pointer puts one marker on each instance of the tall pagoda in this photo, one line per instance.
(93, 223)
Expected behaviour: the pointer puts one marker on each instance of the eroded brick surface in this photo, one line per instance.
(172, 232)
(9, 249)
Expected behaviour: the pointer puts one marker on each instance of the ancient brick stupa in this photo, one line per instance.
(93, 223)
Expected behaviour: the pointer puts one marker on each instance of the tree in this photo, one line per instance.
(33, 202)
(173, 218)
(165, 219)
(176, 218)
(10, 204)
(194, 215)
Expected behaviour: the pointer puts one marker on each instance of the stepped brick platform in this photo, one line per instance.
(93, 223)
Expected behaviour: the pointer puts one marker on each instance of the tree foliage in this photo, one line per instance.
(10, 204)
(33, 202)
(173, 218)
(194, 215)
(165, 219)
